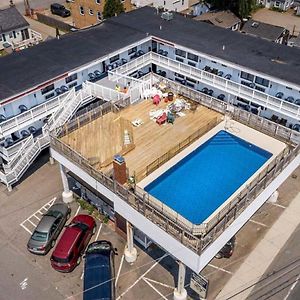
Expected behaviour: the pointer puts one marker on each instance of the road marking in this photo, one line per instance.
(292, 287)
(26, 228)
(45, 207)
(98, 232)
(31, 223)
(155, 289)
(23, 284)
(119, 271)
(279, 205)
(220, 269)
(37, 217)
(258, 223)
(160, 283)
(141, 277)
(77, 211)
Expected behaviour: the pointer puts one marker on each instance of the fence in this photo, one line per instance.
(175, 150)
(54, 22)
(195, 237)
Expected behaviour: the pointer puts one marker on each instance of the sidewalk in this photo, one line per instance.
(264, 253)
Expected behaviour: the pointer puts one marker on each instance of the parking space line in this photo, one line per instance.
(119, 271)
(258, 223)
(31, 223)
(155, 289)
(36, 217)
(160, 283)
(96, 239)
(220, 269)
(45, 207)
(141, 277)
(26, 228)
(77, 211)
(278, 205)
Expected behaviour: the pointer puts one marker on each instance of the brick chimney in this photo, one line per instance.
(119, 167)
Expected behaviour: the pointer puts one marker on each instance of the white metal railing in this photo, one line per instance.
(35, 38)
(231, 87)
(31, 148)
(26, 118)
(9, 152)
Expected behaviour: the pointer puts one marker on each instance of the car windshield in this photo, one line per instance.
(53, 213)
(39, 236)
(82, 226)
(96, 248)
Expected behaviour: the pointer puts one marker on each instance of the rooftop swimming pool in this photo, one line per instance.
(202, 181)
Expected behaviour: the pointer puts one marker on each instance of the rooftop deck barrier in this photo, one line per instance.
(195, 237)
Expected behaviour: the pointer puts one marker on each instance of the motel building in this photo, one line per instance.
(179, 131)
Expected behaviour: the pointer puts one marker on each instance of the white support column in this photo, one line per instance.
(180, 292)
(130, 251)
(67, 195)
(51, 160)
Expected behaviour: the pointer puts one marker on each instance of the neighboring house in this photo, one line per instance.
(86, 13)
(294, 42)
(279, 4)
(15, 31)
(266, 31)
(225, 19)
(201, 8)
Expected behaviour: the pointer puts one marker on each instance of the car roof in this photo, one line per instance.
(45, 224)
(66, 242)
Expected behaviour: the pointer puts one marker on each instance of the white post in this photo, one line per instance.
(51, 160)
(67, 195)
(130, 251)
(180, 292)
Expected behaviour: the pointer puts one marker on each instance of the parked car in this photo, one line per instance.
(67, 253)
(227, 250)
(48, 229)
(60, 10)
(99, 271)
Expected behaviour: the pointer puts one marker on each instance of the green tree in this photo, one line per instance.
(112, 8)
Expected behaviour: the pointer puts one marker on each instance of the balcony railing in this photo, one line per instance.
(195, 237)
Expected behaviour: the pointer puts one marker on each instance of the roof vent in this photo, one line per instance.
(167, 15)
(255, 24)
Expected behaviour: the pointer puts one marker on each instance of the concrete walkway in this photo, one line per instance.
(263, 254)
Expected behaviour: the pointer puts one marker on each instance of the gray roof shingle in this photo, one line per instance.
(11, 19)
(33, 66)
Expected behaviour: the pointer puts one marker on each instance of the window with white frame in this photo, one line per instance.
(98, 1)
(91, 12)
(81, 10)
(99, 16)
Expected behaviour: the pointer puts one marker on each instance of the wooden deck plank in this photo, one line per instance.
(103, 138)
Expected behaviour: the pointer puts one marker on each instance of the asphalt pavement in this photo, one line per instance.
(34, 4)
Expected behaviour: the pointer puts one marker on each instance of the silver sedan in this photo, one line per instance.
(48, 229)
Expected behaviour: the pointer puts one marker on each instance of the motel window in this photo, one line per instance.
(191, 80)
(99, 16)
(72, 84)
(182, 2)
(0, 38)
(114, 58)
(47, 89)
(259, 88)
(71, 78)
(262, 81)
(11, 35)
(247, 76)
(192, 64)
(81, 10)
(179, 59)
(179, 75)
(98, 1)
(91, 12)
(180, 53)
(193, 57)
(49, 96)
(288, 88)
(132, 50)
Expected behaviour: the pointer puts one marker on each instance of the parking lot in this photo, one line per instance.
(151, 277)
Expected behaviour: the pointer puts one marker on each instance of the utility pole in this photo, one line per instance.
(27, 8)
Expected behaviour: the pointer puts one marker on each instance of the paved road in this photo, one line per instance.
(35, 4)
(280, 281)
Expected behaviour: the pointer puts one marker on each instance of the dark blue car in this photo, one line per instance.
(99, 272)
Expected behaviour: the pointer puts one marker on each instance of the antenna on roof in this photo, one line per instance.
(223, 48)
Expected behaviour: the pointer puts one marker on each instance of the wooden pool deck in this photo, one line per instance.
(100, 139)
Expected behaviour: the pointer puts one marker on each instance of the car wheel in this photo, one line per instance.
(94, 230)
(78, 260)
(52, 243)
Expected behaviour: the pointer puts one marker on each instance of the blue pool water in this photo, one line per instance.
(197, 185)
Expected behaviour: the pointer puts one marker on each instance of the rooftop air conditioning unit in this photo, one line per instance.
(167, 15)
